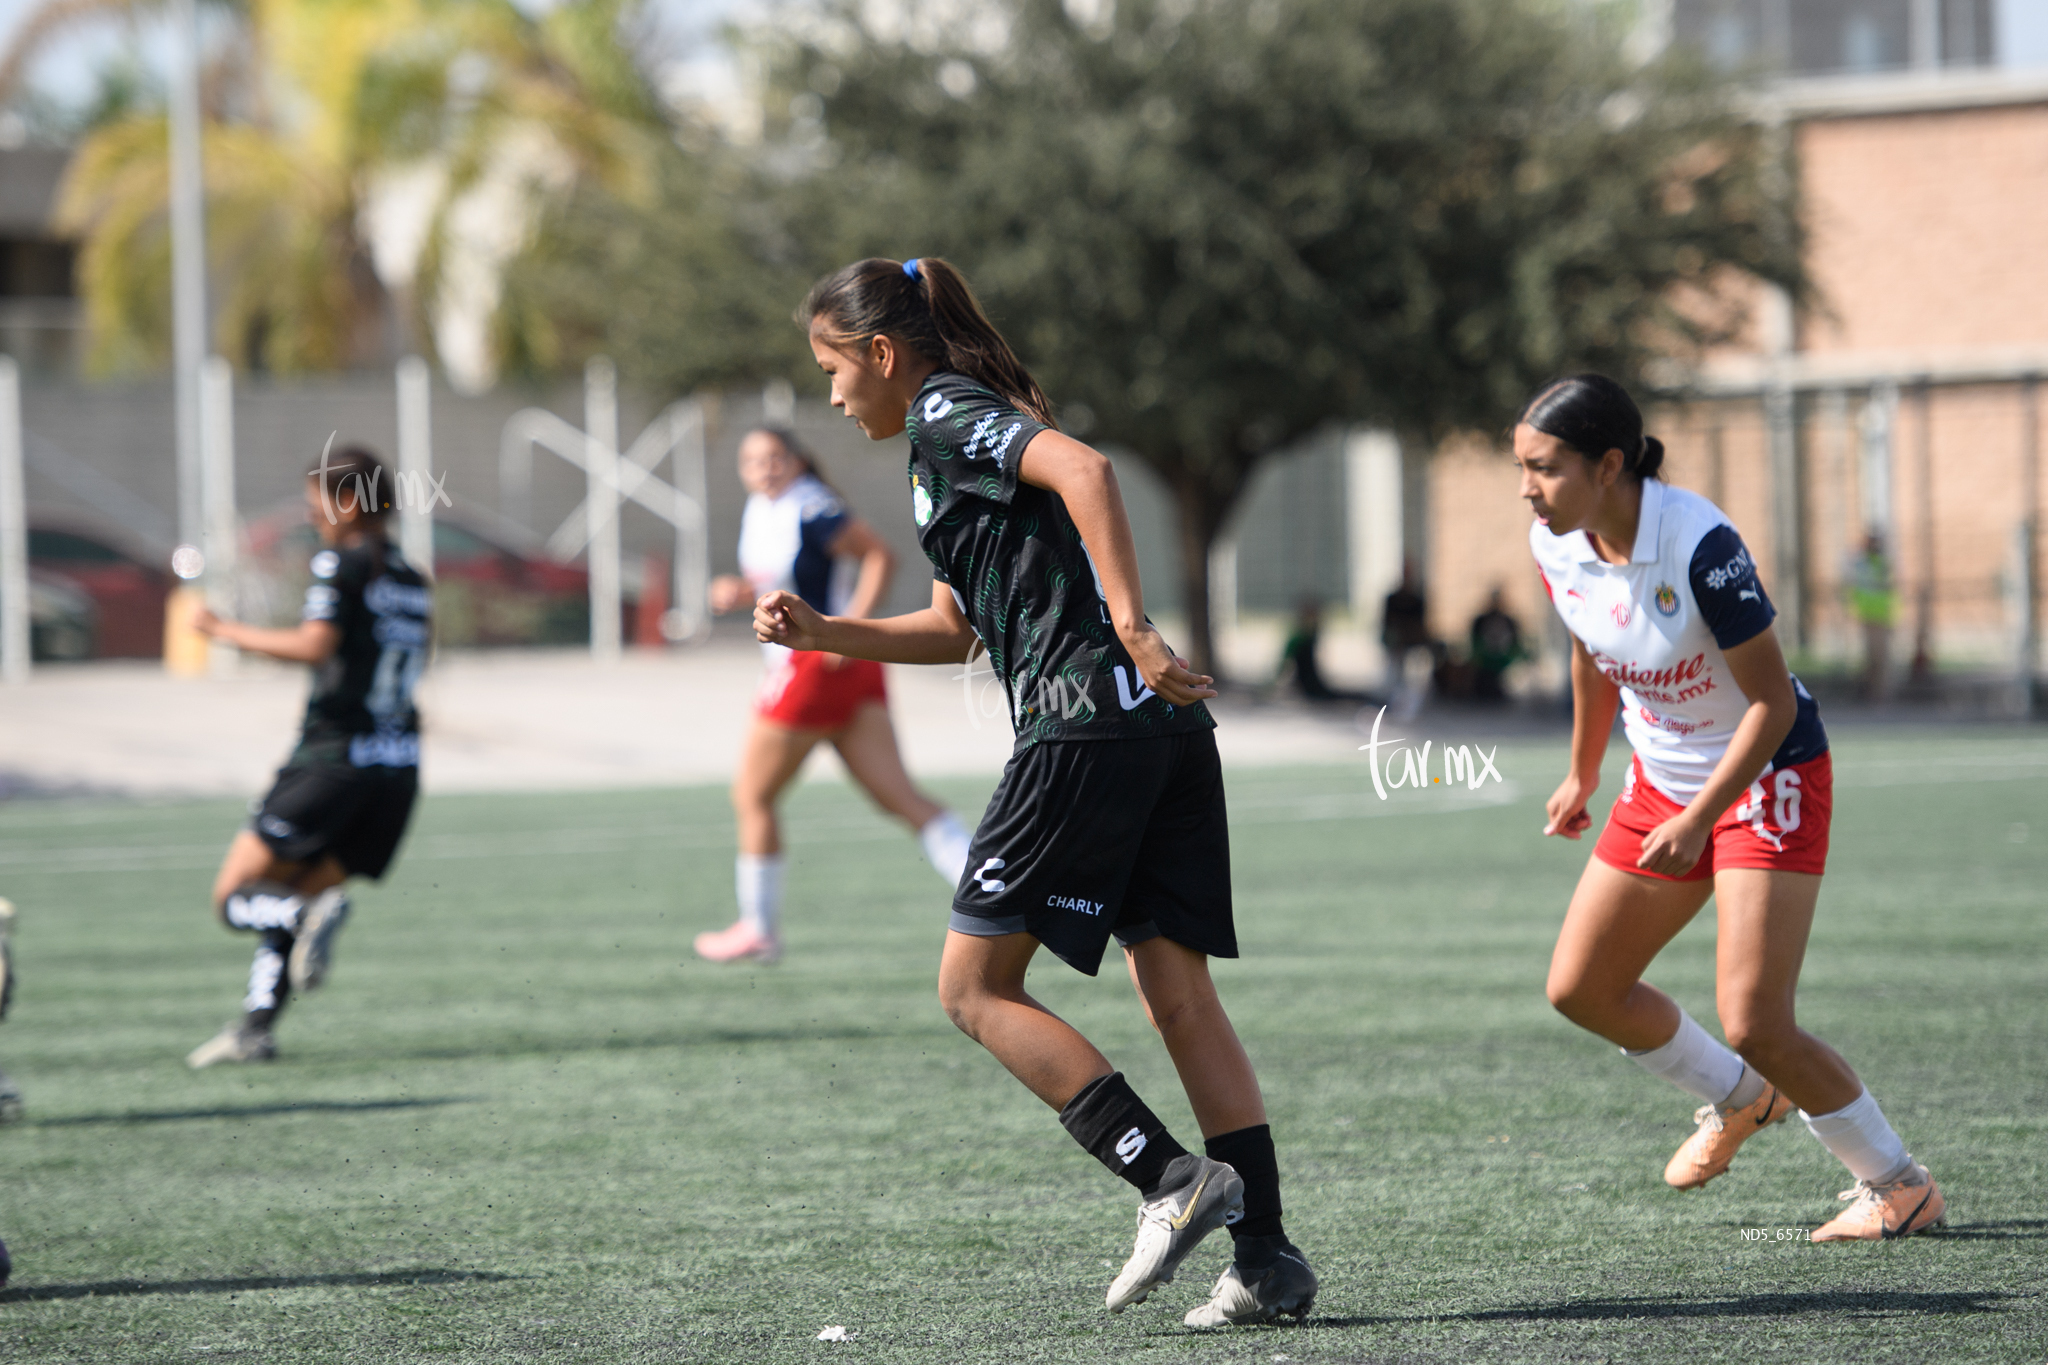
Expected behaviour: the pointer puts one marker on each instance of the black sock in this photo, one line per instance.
(1250, 1150)
(1109, 1119)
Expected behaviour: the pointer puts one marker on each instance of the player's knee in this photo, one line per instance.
(961, 1000)
(1172, 1014)
(1571, 996)
(1757, 1036)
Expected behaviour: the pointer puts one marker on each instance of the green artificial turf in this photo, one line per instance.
(521, 1122)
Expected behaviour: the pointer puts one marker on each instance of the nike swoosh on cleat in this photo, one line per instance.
(1906, 1225)
(1180, 1224)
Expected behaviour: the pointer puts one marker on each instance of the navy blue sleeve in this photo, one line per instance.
(823, 520)
(821, 530)
(1725, 584)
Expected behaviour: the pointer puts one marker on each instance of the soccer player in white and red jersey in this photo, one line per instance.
(1729, 795)
(798, 534)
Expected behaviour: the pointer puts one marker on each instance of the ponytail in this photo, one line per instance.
(925, 304)
(1593, 415)
(1652, 459)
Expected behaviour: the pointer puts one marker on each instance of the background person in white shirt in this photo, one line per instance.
(1729, 794)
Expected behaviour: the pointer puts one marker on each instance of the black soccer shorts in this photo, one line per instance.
(356, 814)
(1088, 838)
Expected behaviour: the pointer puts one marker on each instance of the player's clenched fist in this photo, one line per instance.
(1566, 809)
(783, 618)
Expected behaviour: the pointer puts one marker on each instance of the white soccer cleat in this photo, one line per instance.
(313, 944)
(238, 1042)
(1206, 1195)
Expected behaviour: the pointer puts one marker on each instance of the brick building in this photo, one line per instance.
(1904, 402)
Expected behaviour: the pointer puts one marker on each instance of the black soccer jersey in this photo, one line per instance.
(361, 711)
(1021, 575)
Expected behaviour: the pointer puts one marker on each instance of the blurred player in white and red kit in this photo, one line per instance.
(798, 536)
(1729, 794)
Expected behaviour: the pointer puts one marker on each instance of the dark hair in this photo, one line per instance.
(795, 449)
(1593, 415)
(356, 470)
(925, 304)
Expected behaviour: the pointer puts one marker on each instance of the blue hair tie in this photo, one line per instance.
(910, 266)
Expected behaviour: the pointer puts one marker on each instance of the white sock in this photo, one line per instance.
(1747, 1090)
(249, 908)
(945, 845)
(266, 973)
(1693, 1061)
(758, 879)
(1862, 1140)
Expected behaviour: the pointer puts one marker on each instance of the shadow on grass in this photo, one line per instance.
(1857, 1301)
(558, 1047)
(250, 1111)
(108, 1289)
(2009, 1230)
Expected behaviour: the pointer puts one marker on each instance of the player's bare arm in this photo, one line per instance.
(1759, 668)
(1594, 702)
(309, 642)
(877, 566)
(1086, 482)
(939, 634)
(729, 592)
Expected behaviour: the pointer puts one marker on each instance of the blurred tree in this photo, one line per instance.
(353, 149)
(690, 289)
(1213, 226)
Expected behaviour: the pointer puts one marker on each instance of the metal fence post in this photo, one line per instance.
(221, 524)
(14, 605)
(601, 480)
(415, 489)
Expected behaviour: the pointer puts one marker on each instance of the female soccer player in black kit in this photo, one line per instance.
(1109, 818)
(340, 803)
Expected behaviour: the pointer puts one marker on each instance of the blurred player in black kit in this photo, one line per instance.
(1109, 819)
(340, 803)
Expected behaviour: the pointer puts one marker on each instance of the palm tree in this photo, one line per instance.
(370, 167)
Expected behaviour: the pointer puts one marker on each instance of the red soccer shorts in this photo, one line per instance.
(1780, 824)
(807, 692)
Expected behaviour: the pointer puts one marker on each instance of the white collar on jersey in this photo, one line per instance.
(1649, 525)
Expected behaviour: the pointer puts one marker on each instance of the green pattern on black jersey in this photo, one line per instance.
(360, 710)
(1018, 567)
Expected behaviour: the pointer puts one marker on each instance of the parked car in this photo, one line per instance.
(62, 619)
(91, 599)
(485, 592)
